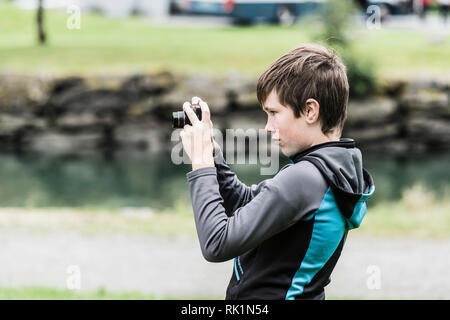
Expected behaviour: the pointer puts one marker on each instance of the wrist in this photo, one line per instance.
(196, 166)
(203, 163)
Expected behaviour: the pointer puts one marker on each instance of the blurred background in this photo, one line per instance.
(91, 203)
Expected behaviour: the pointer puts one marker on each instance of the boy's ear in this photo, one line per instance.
(312, 110)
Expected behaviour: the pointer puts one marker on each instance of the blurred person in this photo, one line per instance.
(443, 9)
(424, 5)
(286, 233)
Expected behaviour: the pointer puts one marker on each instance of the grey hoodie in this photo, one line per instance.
(285, 233)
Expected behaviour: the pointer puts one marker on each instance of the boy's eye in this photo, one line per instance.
(272, 112)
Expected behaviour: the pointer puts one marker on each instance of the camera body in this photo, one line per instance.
(180, 118)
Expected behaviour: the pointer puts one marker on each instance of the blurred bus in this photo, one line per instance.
(245, 11)
(284, 12)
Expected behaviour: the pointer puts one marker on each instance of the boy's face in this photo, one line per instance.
(292, 134)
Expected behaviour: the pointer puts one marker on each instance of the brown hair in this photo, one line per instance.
(309, 71)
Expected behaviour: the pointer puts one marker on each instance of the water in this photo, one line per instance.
(144, 181)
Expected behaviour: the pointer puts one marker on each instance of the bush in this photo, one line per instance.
(336, 20)
(361, 74)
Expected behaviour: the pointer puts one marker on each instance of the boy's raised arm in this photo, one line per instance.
(234, 193)
(290, 196)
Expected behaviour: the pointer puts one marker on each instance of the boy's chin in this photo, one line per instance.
(286, 152)
(289, 152)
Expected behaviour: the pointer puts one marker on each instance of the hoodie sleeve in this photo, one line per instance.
(235, 194)
(293, 194)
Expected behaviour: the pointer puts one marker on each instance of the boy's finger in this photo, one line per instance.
(206, 114)
(190, 113)
(196, 100)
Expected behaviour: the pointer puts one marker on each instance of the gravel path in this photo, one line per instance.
(368, 268)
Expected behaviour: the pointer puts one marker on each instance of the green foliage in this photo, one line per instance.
(336, 23)
(335, 17)
(361, 74)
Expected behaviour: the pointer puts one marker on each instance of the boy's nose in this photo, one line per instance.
(268, 127)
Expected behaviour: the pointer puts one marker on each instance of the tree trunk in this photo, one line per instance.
(40, 23)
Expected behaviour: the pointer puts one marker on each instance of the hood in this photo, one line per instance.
(340, 162)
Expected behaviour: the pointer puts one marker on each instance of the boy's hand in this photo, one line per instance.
(197, 138)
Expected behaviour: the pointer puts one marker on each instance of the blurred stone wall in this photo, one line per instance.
(103, 114)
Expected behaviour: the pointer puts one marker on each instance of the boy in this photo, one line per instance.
(286, 233)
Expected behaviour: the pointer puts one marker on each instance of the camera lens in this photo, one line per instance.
(180, 118)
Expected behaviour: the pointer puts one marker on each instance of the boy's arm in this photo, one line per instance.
(293, 194)
(235, 194)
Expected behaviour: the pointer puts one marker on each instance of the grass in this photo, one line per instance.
(40, 293)
(418, 214)
(89, 222)
(390, 220)
(105, 45)
(43, 293)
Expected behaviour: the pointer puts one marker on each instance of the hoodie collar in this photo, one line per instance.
(343, 142)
